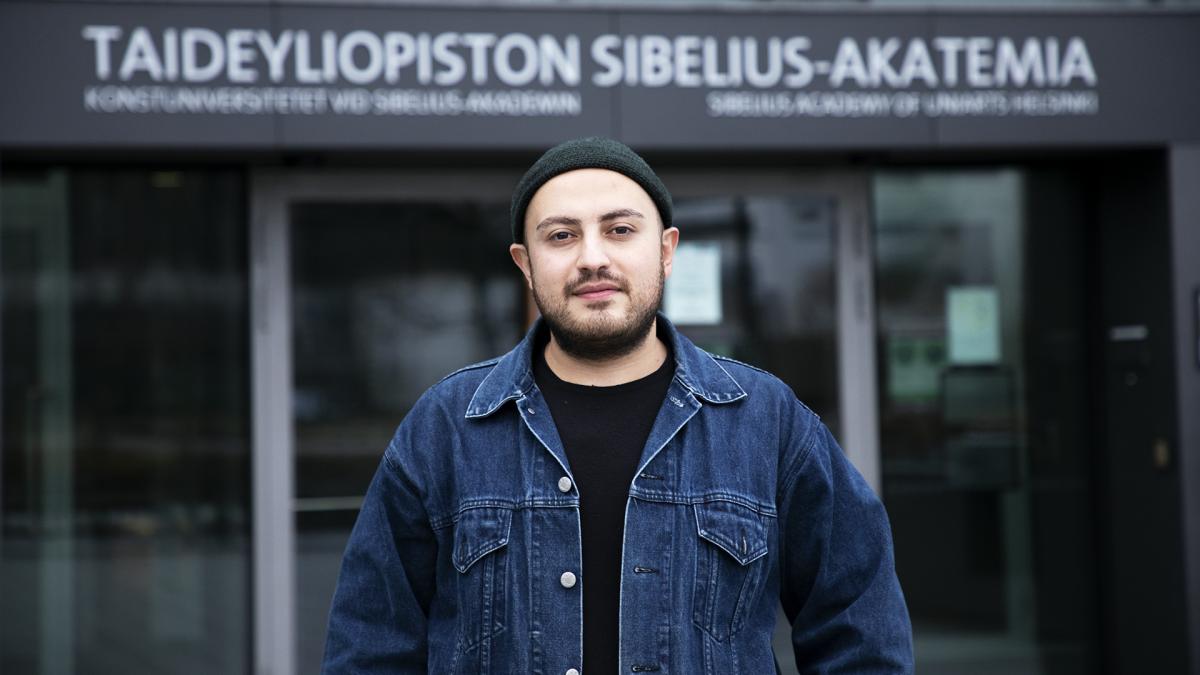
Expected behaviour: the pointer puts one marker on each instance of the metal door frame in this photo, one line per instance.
(272, 191)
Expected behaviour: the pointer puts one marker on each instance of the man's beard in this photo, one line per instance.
(600, 339)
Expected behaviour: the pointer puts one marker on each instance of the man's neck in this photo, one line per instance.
(642, 361)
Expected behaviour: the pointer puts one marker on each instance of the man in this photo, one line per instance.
(607, 497)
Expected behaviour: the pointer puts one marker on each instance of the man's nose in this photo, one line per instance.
(593, 253)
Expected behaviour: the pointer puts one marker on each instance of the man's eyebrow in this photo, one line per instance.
(621, 213)
(558, 220)
(568, 220)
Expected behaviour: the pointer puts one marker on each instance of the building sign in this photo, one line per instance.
(364, 72)
(306, 76)
(359, 73)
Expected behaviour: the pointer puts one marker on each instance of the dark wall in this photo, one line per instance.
(1139, 497)
(1185, 249)
(1062, 454)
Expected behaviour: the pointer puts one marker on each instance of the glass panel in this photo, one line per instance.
(387, 299)
(754, 279)
(124, 461)
(984, 473)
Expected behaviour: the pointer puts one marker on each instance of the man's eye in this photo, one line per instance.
(560, 236)
(622, 229)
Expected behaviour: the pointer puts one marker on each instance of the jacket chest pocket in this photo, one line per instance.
(481, 558)
(730, 566)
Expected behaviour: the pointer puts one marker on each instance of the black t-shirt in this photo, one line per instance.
(603, 431)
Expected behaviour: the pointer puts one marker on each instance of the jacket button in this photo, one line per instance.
(567, 580)
(564, 484)
(572, 671)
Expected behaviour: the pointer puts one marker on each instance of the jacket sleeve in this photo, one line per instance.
(839, 588)
(379, 617)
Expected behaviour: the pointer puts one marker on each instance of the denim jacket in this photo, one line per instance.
(741, 499)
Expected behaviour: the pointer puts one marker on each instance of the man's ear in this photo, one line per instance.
(670, 240)
(520, 256)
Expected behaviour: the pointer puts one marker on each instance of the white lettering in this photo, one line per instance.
(848, 64)
(1019, 69)
(918, 65)
(192, 40)
(879, 62)
(631, 61)
(561, 59)
(1077, 63)
(424, 61)
(239, 55)
(399, 51)
(478, 43)
(793, 55)
(979, 58)
(713, 77)
(602, 53)
(140, 54)
(275, 51)
(687, 61)
(1052, 63)
(329, 56)
(949, 47)
(368, 57)
(503, 66)
(103, 36)
(305, 71)
(350, 69)
(170, 54)
(774, 70)
(455, 65)
(656, 61)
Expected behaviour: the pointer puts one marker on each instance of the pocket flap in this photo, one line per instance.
(478, 532)
(735, 529)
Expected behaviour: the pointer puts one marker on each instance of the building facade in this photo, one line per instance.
(238, 240)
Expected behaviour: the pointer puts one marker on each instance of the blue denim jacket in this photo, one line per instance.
(742, 498)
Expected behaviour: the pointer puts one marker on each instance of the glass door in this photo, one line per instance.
(987, 468)
(387, 298)
(123, 421)
(370, 287)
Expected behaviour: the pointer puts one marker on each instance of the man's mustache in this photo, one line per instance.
(592, 277)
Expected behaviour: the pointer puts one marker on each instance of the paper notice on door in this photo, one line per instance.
(693, 293)
(973, 320)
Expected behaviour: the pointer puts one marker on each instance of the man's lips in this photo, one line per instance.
(596, 291)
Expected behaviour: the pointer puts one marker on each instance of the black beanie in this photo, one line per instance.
(594, 152)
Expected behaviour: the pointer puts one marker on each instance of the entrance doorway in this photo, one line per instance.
(368, 287)
(988, 455)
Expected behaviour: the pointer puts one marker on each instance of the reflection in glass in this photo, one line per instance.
(387, 299)
(983, 473)
(124, 462)
(773, 303)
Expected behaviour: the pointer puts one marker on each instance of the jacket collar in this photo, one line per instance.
(512, 376)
